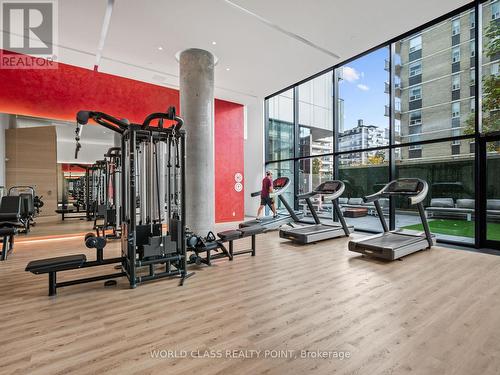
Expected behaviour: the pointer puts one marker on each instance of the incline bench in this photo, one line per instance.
(210, 243)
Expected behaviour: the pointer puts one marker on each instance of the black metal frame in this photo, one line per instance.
(480, 154)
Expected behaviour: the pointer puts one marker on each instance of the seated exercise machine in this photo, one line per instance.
(280, 186)
(395, 244)
(10, 223)
(152, 203)
(28, 209)
(7, 235)
(11, 209)
(199, 245)
(305, 233)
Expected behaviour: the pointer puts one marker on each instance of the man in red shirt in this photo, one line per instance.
(265, 198)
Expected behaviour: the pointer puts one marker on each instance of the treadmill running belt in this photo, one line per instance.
(390, 241)
(317, 228)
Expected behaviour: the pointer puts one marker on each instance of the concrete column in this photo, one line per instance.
(197, 109)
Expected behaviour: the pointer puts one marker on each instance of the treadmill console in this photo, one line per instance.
(409, 186)
(280, 183)
(328, 187)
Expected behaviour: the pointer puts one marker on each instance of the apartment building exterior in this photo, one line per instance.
(435, 84)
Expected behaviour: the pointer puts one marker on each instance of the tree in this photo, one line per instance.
(491, 87)
(377, 159)
(316, 166)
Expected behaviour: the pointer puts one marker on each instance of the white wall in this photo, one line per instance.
(254, 153)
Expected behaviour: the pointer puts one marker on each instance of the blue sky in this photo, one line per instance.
(363, 90)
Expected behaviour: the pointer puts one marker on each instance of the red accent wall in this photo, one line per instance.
(60, 93)
(229, 160)
(72, 168)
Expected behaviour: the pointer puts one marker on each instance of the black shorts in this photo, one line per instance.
(266, 200)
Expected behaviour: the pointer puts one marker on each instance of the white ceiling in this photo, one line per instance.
(258, 43)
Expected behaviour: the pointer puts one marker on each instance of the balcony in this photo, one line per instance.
(397, 112)
(397, 89)
(397, 67)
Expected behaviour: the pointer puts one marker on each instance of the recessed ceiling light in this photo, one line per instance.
(160, 48)
(214, 43)
(228, 69)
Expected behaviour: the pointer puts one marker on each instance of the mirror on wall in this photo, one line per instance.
(40, 153)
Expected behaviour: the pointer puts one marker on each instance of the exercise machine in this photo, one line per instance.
(28, 209)
(152, 200)
(395, 244)
(108, 213)
(7, 235)
(280, 186)
(305, 233)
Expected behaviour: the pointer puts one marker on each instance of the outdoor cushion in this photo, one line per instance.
(493, 204)
(465, 203)
(355, 201)
(343, 200)
(442, 202)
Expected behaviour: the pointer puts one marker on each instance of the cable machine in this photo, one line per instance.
(152, 208)
(152, 163)
(109, 211)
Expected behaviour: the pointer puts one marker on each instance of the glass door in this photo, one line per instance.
(491, 188)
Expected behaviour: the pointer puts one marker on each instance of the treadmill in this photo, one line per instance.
(395, 244)
(280, 186)
(318, 231)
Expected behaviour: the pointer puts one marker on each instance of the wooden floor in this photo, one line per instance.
(436, 312)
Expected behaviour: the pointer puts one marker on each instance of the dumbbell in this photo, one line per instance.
(99, 243)
(94, 242)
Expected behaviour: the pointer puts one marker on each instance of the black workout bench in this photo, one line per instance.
(68, 213)
(210, 244)
(235, 234)
(73, 262)
(8, 241)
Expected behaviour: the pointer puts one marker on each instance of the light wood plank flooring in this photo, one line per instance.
(436, 312)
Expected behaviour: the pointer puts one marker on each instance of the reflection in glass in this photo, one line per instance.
(313, 172)
(283, 169)
(316, 116)
(493, 191)
(280, 129)
(363, 174)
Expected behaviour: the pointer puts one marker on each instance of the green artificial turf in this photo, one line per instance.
(460, 228)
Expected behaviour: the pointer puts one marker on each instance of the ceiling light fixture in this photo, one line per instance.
(228, 69)
(160, 48)
(214, 43)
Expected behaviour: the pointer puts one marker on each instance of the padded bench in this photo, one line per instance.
(236, 234)
(8, 241)
(210, 243)
(67, 213)
(54, 265)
